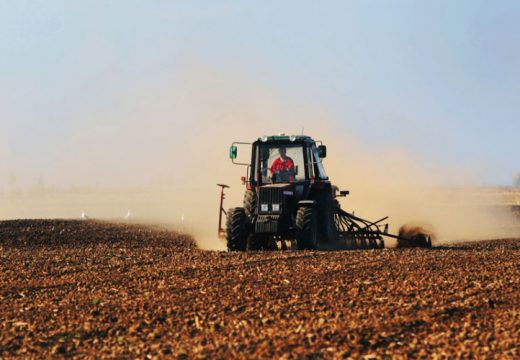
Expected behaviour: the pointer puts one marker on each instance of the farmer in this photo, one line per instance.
(282, 169)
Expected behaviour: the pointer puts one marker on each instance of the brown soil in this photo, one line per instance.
(90, 288)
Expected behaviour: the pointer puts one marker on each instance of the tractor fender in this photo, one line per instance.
(307, 203)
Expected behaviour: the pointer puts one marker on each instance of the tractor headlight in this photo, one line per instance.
(264, 207)
(276, 207)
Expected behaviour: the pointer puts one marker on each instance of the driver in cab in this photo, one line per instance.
(282, 169)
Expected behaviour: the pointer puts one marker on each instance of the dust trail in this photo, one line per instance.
(161, 150)
(395, 183)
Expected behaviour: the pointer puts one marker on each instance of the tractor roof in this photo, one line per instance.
(283, 138)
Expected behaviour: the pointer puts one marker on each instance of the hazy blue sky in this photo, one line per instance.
(438, 78)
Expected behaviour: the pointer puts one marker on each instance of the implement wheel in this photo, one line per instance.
(236, 225)
(418, 240)
(306, 228)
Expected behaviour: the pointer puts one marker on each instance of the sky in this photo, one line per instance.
(98, 82)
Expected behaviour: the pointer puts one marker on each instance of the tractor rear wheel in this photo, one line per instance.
(236, 230)
(327, 227)
(306, 228)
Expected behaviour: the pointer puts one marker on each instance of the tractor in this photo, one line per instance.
(290, 202)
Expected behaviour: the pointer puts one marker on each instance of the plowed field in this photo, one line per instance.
(91, 288)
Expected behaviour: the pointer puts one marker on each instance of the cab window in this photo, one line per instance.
(280, 163)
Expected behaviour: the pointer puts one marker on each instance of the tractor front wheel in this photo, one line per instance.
(307, 228)
(250, 203)
(236, 230)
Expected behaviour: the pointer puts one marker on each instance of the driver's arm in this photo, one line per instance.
(290, 165)
(274, 166)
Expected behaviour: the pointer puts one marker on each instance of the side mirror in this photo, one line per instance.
(322, 151)
(296, 170)
(233, 151)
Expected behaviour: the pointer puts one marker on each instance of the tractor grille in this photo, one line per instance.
(270, 196)
(267, 224)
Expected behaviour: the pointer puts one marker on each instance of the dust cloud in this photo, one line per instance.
(158, 154)
(410, 190)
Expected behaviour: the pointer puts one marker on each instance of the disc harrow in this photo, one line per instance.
(356, 233)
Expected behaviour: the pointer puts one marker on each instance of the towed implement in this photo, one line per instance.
(290, 202)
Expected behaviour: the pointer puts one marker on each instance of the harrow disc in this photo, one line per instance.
(355, 233)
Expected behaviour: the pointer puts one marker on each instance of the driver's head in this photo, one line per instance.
(282, 151)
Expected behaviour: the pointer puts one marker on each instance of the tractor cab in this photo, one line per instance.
(284, 159)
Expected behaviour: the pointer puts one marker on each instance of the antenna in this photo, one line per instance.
(303, 128)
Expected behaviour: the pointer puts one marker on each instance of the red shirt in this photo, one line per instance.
(281, 165)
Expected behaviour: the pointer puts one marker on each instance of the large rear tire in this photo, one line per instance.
(306, 228)
(327, 227)
(236, 225)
